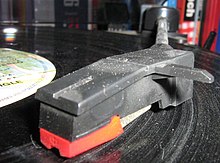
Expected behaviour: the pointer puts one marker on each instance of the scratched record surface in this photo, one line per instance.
(187, 133)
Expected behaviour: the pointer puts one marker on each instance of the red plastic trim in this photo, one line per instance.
(71, 149)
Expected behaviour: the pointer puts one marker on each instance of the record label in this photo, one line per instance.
(21, 74)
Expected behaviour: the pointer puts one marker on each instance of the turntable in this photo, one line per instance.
(189, 132)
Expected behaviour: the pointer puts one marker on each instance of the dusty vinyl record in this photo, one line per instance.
(187, 133)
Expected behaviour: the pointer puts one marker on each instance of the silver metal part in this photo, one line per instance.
(162, 31)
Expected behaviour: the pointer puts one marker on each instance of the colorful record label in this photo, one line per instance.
(21, 74)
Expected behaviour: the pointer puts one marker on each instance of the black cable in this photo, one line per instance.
(161, 3)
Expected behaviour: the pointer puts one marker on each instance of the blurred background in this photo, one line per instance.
(198, 19)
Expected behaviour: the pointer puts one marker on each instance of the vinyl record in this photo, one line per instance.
(189, 132)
